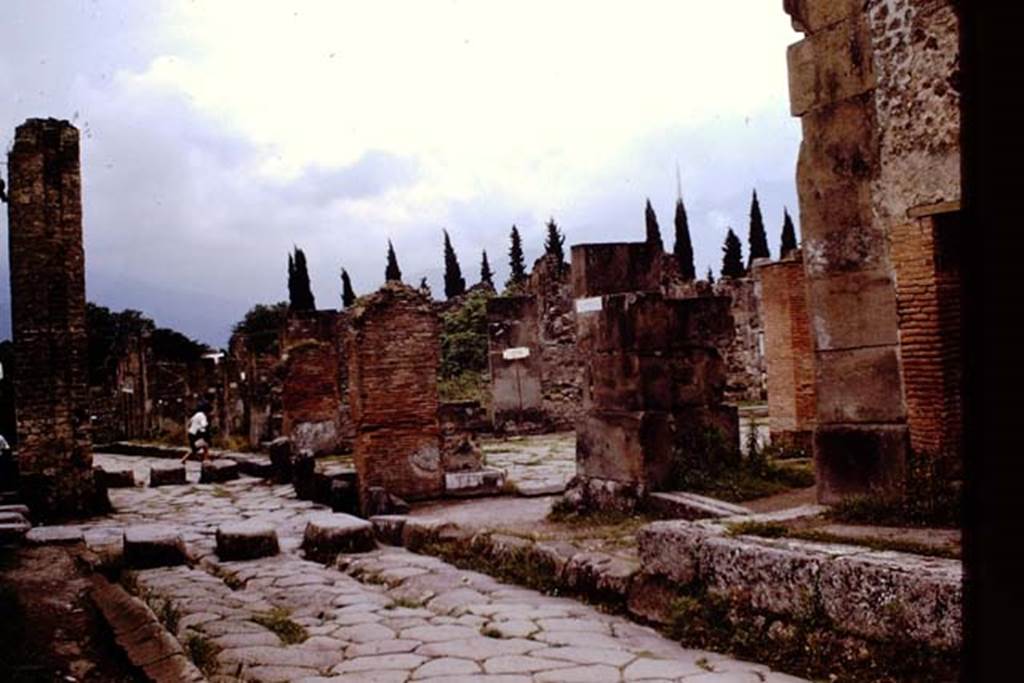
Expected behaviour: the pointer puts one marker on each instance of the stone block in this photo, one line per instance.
(55, 535)
(16, 507)
(860, 459)
(379, 501)
(853, 309)
(281, 459)
(859, 385)
(329, 534)
(167, 474)
(814, 15)
(600, 576)
(670, 549)
(405, 460)
(246, 540)
(829, 65)
(615, 267)
(155, 545)
(683, 505)
(304, 475)
(388, 528)
(634, 381)
(114, 478)
(421, 531)
(651, 597)
(484, 482)
(895, 596)
(217, 471)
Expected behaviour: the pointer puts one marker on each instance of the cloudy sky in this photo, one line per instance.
(217, 134)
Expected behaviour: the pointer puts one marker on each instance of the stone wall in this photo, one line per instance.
(789, 353)
(653, 372)
(876, 85)
(392, 363)
(47, 268)
(516, 394)
(745, 363)
(314, 378)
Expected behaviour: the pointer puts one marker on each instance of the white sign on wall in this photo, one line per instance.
(588, 305)
(516, 353)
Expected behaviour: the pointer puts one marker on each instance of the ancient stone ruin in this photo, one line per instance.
(48, 321)
(875, 87)
(392, 368)
(654, 375)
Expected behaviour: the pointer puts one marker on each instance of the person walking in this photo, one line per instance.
(199, 433)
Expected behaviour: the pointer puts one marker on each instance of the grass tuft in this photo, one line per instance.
(278, 620)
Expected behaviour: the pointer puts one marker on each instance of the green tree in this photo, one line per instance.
(107, 333)
(454, 283)
(732, 259)
(788, 235)
(757, 238)
(262, 324)
(653, 231)
(348, 295)
(517, 265)
(683, 248)
(392, 273)
(486, 276)
(554, 244)
(300, 295)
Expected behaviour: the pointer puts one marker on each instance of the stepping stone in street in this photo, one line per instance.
(218, 470)
(21, 509)
(54, 535)
(153, 545)
(246, 540)
(167, 474)
(12, 518)
(118, 478)
(388, 528)
(328, 534)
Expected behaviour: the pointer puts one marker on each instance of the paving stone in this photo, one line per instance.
(277, 674)
(518, 628)
(405, 662)
(447, 667)
(218, 471)
(167, 474)
(434, 634)
(597, 673)
(658, 668)
(262, 655)
(364, 633)
(479, 649)
(154, 545)
(518, 664)
(381, 647)
(328, 534)
(246, 540)
(586, 655)
(479, 678)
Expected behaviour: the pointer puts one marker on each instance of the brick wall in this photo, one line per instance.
(789, 352)
(48, 320)
(394, 351)
(928, 297)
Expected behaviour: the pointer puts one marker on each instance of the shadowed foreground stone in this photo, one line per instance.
(115, 478)
(329, 534)
(246, 540)
(218, 470)
(154, 545)
(167, 474)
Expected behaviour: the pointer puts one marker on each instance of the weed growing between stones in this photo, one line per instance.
(279, 621)
(490, 632)
(202, 651)
(169, 615)
(403, 601)
(704, 462)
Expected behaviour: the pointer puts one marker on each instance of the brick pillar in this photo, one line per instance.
(653, 371)
(48, 319)
(311, 405)
(394, 352)
(789, 353)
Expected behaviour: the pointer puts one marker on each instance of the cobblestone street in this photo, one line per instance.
(386, 615)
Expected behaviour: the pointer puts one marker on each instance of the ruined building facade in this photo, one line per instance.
(48, 320)
(876, 86)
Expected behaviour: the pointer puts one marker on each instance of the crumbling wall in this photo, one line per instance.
(311, 403)
(516, 379)
(393, 354)
(653, 373)
(47, 269)
(789, 352)
(561, 370)
(876, 86)
(744, 358)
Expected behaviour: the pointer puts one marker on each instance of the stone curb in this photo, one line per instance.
(138, 632)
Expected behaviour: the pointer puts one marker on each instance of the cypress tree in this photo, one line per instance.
(732, 259)
(554, 244)
(515, 260)
(300, 295)
(711, 277)
(653, 231)
(486, 276)
(788, 235)
(454, 283)
(683, 248)
(757, 238)
(392, 272)
(348, 296)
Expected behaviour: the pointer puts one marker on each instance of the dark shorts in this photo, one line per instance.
(193, 438)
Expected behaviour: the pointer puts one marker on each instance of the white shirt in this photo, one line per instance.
(197, 423)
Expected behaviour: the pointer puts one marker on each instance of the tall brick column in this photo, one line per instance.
(393, 353)
(48, 319)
